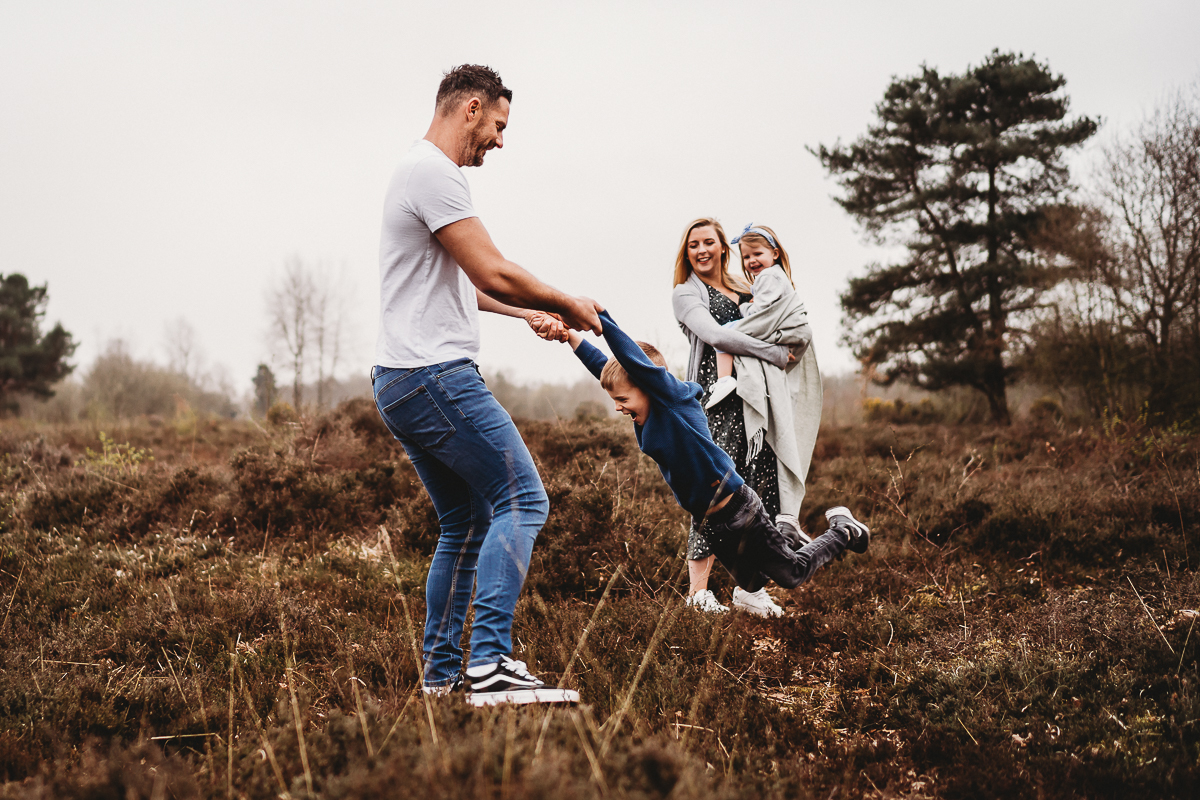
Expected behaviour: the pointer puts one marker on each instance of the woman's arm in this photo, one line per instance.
(691, 313)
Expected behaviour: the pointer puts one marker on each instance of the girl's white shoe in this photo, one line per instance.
(705, 600)
(720, 390)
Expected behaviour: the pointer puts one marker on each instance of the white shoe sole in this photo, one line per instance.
(718, 609)
(758, 611)
(764, 611)
(523, 697)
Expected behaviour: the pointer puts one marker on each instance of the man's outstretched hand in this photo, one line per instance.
(583, 314)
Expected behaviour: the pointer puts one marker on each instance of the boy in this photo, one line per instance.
(672, 429)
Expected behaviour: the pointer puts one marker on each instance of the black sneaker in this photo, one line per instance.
(508, 681)
(789, 526)
(857, 534)
(456, 686)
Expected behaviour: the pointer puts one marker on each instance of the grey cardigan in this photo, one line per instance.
(689, 300)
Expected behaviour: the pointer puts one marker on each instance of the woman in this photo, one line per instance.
(705, 297)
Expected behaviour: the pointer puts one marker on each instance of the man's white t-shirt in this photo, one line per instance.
(428, 312)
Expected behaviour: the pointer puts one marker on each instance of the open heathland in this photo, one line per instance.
(222, 609)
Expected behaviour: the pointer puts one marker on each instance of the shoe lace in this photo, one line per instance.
(517, 667)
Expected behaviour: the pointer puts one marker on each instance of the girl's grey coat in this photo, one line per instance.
(781, 402)
(781, 406)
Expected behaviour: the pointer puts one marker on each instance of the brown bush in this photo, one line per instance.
(1023, 624)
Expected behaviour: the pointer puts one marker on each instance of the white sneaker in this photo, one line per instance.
(757, 603)
(789, 526)
(720, 390)
(446, 689)
(705, 600)
(508, 681)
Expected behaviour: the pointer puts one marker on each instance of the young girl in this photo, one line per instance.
(782, 407)
(760, 250)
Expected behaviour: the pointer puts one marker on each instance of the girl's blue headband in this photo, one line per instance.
(751, 229)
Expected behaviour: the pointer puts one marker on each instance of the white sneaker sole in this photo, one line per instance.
(758, 611)
(709, 609)
(520, 697)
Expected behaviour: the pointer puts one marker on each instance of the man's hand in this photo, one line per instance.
(583, 314)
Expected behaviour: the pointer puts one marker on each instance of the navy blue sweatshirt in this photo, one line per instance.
(675, 433)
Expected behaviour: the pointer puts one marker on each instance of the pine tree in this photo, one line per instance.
(961, 170)
(30, 363)
(264, 390)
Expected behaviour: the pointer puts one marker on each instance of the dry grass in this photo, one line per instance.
(236, 618)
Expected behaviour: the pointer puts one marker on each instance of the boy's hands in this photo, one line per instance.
(584, 315)
(546, 325)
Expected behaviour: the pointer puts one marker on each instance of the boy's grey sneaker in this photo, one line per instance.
(508, 681)
(857, 534)
(793, 534)
(455, 686)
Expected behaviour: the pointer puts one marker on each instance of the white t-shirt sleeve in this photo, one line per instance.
(439, 194)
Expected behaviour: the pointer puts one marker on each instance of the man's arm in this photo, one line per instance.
(500, 279)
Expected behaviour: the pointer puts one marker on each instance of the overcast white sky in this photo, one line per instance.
(162, 160)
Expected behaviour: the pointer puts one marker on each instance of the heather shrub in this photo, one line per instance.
(1024, 623)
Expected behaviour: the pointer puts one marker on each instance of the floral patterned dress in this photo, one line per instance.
(728, 428)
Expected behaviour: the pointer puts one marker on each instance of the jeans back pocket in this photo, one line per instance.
(417, 416)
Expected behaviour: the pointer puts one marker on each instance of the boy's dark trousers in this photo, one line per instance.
(752, 549)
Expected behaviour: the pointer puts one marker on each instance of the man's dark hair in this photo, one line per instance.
(467, 80)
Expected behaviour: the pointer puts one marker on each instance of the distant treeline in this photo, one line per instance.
(119, 386)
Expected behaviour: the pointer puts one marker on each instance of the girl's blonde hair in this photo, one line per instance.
(757, 238)
(683, 267)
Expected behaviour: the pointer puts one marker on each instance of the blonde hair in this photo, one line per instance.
(683, 266)
(613, 373)
(758, 238)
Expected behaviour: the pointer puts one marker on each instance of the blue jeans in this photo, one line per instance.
(489, 500)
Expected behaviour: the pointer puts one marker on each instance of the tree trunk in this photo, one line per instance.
(997, 397)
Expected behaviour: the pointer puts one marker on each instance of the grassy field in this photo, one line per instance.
(214, 609)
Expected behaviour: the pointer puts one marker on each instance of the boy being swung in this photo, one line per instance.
(672, 429)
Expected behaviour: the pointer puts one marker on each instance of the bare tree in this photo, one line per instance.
(1150, 189)
(1126, 329)
(184, 353)
(308, 309)
(330, 314)
(289, 304)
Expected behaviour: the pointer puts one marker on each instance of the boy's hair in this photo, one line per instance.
(471, 79)
(758, 238)
(613, 373)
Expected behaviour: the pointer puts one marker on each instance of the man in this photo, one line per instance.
(438, 267)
